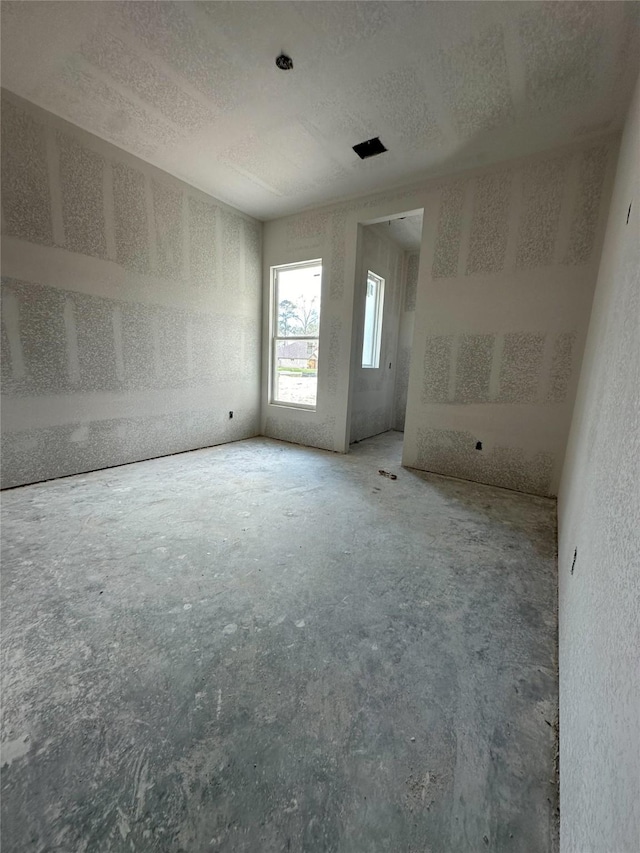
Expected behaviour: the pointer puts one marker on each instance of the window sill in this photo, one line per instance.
(295, 406)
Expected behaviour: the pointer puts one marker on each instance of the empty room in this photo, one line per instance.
(320, 426)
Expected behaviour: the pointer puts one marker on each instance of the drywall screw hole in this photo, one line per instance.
(478, 445)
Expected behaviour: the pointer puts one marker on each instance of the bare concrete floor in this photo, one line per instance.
(261, 647)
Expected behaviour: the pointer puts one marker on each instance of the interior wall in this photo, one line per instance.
(373, 391)
(131, 306)
(508, 263)
(405, 336)
(599, 547)
(507, 271)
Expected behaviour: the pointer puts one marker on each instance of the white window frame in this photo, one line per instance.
(275, 337)
(377, 322)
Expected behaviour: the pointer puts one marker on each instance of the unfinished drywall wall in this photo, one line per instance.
(131, 306)
(599, 548)
(405, 336)
(373, 389)
(508, 264)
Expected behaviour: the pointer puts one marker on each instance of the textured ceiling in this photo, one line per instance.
(193, 88)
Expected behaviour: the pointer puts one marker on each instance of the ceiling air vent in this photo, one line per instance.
(370, 148)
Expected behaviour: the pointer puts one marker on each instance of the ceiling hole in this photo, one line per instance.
(284, 62)
(369, 148)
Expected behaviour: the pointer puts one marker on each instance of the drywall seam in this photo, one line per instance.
(131, 321)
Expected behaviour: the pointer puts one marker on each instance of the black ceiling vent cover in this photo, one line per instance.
(370, 148)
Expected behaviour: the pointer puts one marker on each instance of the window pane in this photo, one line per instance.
(296, 372)
(373, 310)
(369, 323)
(298, 300)
(296, 329)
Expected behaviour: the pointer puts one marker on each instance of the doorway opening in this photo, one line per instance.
(388, 256)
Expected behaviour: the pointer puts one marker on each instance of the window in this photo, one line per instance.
(373, 310)
(295, 324)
